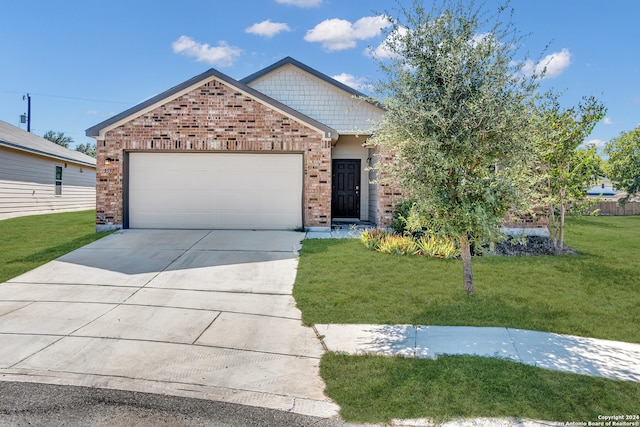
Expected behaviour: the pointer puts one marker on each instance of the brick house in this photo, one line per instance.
(279, 149)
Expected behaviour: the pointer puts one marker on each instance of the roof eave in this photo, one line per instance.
(45, 154)
(100, 129)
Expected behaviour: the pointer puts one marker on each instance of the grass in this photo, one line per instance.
(377, 389)
(594, 294)
(30, 241)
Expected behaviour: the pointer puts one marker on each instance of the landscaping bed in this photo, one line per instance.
(595, 293)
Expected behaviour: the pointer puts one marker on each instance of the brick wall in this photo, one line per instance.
(388, 195)
(212, 118)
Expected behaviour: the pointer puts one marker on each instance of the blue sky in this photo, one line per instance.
(83, 61)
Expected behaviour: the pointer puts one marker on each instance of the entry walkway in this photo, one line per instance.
(579, 355)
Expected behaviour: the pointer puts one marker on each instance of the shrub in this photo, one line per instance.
(400, 215)
(371, 237)
(433, 246)
(398, 245)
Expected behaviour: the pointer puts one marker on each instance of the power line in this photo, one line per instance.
(68, 97)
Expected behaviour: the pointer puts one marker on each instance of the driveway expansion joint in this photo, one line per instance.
(164, 311)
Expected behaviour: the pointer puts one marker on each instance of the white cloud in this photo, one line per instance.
(369, 26)
(607, 121)
(552, 65)
(301, 3)
(357, 83)
(222, 55)
(383, 51)
(598, 143)
(267, 28)
(340, 34)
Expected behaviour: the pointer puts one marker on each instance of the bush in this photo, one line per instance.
(393, 243)
(372, 237)
(398, 245)
(400, 215)
(433, 246)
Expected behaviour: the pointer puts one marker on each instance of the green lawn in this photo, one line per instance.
(376, 389)
(594, 294)
(30, 241)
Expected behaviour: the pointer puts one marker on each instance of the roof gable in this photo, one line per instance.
(18, 139)
(317, 95)
(100, 129)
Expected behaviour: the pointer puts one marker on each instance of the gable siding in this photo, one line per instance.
(213, 118)
(27, 185)
(318, 100)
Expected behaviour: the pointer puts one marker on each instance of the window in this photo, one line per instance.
(58, 181)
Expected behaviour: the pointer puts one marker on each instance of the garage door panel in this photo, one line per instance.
(215, 190)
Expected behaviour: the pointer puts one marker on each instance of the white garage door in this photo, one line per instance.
(215, 190)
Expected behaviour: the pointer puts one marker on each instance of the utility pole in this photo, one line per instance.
(28, 98)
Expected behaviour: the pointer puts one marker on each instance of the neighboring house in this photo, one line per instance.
(38, 176)
(280, 149)
(604, 190)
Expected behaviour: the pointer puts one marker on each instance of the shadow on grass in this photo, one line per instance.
(53, 252)
(490, 311)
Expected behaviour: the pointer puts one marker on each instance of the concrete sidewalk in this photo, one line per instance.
(588, 356)
(192, 313)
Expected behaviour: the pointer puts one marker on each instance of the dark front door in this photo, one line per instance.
(345, 195)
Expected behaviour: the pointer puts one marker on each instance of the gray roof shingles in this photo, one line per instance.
(16, 138)
(94, 131)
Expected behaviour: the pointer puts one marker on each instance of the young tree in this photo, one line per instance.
(457, 108)
(564, 170)
(88, 149)
(623, 166)
(58, 137)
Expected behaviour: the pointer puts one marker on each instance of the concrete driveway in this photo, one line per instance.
(192, 313)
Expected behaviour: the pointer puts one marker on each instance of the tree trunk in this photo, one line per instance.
(467, 273)
(563, 209)
(553, 227)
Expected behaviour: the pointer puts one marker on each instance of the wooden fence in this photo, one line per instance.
(615, 209)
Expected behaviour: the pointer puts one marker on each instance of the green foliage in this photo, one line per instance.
(88, 149)
(400, 214)
(58, 137)
(457, 105)
(623, 166)
(564, 171)
(373, 236)
(397, 245)
(432, 246)
(407, 244)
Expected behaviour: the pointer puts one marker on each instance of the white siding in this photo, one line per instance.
(318, 99)
(27, 185)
